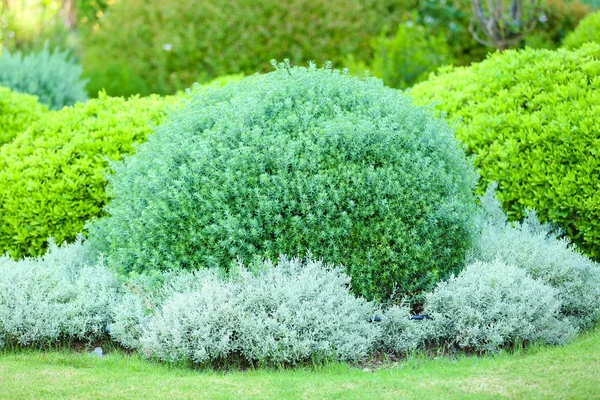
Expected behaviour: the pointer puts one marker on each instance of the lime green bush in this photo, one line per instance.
(588, 30)
(530, 118)
(294, 161)
(52, 176)
(17, 112)
(156, 46)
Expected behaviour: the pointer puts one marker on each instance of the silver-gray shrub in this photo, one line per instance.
(535, 248)
(273, 314)
(53, 76)
(54, 297)
(492, 304)
(400, 335)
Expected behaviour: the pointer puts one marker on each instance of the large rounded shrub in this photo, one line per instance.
(156, 46)
(531, 120)
(588, 30)
(294, 161)
(17, 112)
(52, 176)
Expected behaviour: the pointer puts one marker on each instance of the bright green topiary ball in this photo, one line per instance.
(17, 112)
(588, 30)
(531, 120)
(53, 175)
(294, 161)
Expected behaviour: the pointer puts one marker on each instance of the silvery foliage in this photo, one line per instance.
(401, 335)
(57, 296)
(276, 314)
(535, 248)
(493, 304)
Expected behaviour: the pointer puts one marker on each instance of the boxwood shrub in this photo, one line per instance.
(588, 30)
(17, 112)
(296, 160)
(53, 175)
(530, 118)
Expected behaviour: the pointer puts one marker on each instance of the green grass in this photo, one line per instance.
(571, 372)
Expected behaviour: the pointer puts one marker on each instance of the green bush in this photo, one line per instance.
(409, 56)
(588, 30)
(530, 118)
(155, 46)
(17, 112)
(296, 160)
(559, 17)
(52, 176)
(52, 76)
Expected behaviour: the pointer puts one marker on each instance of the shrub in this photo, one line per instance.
(17, 112)
(52, 76)
(53, 298)
(559, 17)
(401, 336)
(281, 314)
(491, 305)
(154, 46)
(535, 248)
(53, 176)
(409, 56)
(530, 119)
(588, 30)
(296, 160)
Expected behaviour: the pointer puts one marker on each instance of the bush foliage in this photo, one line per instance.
(17, 112)
(155, 46)
(282, 314)
(588, 30)
(53, 176)
(534, 248)
(530, 119)
(52, 76)
(294, 161)
(54, 298)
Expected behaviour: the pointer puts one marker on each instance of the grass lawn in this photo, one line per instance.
(571, 372)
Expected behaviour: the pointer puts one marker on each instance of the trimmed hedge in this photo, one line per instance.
(530, 118)
(588, 30)
(294, 161)
(52, 176)
(17, 112)
(156, 46)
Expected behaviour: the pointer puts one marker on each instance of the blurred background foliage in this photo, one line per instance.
(162, 46)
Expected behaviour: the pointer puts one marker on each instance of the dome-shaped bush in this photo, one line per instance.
(531, 120)
(588, 30)
(52, 176)
(294, 161)
(17, 112)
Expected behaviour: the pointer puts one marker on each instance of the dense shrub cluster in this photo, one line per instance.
(52, 76)
(155, 46)
(294, 161)
(54, 298)
(530, 119)
(588, 30)
(491, 305)
(287, 313)
(534, 248)
(17, 112)
(53, 176)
